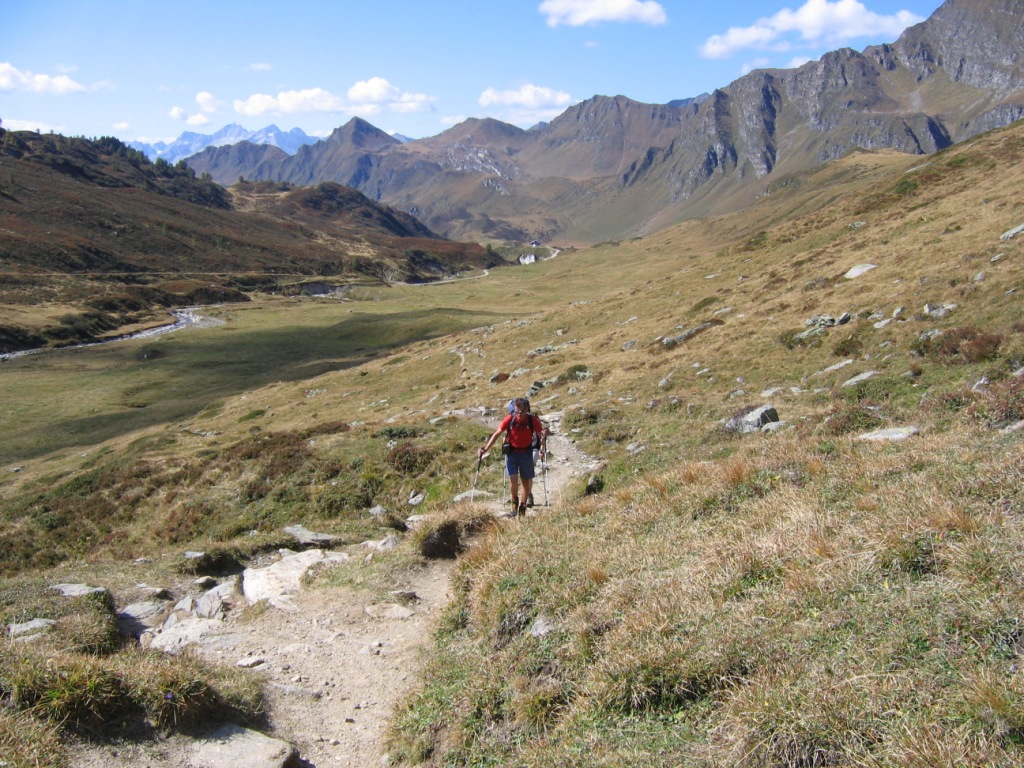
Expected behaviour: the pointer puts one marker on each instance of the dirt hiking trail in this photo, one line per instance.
(336, 666)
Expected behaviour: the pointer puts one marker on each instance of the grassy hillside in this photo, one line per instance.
(95, 240)
(799, 597)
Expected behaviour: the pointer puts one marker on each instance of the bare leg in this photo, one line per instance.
(527, 488)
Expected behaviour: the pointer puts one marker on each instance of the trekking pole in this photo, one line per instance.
(544, 476)
(479, 459)
(502, 484)
(544, 472)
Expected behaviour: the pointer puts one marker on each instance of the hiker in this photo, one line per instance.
(520, 427)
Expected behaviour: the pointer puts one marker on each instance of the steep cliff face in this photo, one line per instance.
(944, 80)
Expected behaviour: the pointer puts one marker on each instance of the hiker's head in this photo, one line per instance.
(521, 404)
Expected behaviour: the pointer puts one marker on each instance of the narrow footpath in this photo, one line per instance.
(335, 666)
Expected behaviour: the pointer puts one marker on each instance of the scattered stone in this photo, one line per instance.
(307, 537)
(1012, 233)
(176, 638)
(416, 498)
(751, 420)
(378, 511)
(543, 626)
(832, 368)
(938, 310)
(235, 747)
(30, 628)
(859, 270)
(285, 576)
(673, 341)
(137, 618)
(78, 590)
(890, 434)
(250, 661)
(385, 544)
(859, 378)
(827, 321)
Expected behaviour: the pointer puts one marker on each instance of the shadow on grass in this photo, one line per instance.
(188, 374)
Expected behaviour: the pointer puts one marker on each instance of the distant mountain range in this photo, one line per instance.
(190, 143)
(610, 167)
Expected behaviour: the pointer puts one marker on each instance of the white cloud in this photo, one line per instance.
(13, 79)
(290, 102)
(526, 105)
(31, 125)
(576, 13)
(121, 126)
(375, 89)
(177, 113)
(816, 21)
(208, 102)
(378, 92)
(196, 120)
(529, 96)
(260, 67)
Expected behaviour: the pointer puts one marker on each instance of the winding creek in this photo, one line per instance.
(187, 317)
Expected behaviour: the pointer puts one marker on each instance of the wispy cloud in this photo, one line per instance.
(208, 105)
(290, 102)
(378, 92)
(208, 102)
(13, 79)
(577, 13)
(260, 67)
(31, 125)
(531, 96)
(527, 104)
(366, 97)
(816, 21)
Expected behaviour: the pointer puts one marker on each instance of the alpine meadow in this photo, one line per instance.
(792, 533)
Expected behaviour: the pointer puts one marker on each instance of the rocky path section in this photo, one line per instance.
(335, 665)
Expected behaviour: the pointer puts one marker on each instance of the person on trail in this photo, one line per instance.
(520, 427)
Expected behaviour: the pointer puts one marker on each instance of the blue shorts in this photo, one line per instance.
(520, 464)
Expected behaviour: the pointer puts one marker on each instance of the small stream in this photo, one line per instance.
(187, 317)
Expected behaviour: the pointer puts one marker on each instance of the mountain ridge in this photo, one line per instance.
(944, 80)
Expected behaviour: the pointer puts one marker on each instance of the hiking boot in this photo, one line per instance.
(522, 509)
(515, 507)
(529, 500)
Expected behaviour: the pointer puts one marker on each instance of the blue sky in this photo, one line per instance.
(151, 70)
